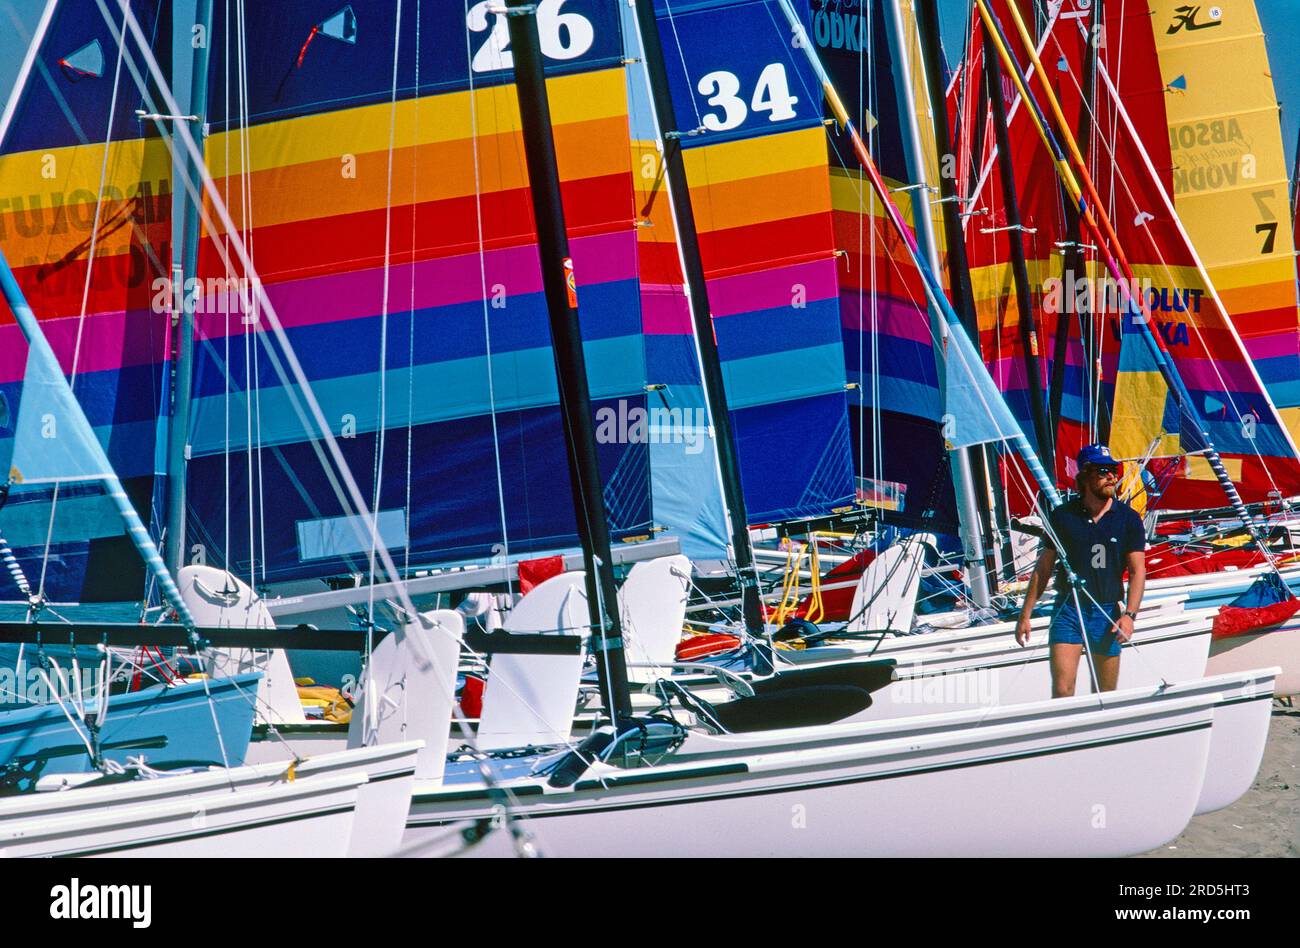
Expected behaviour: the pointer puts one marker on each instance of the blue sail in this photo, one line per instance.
(756, 163)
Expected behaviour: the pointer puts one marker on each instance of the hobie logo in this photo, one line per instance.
(1187, 16)
(103, 901)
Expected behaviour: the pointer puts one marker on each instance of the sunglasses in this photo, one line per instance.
(1104, 473)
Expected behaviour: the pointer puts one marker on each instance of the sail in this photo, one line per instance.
(375, 169)
(1230, 177)
(896, 408)
(1119, 394)
(80, 173)
(685, 481)
(1190, 309)
(756, 163)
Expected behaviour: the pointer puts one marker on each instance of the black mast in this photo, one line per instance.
(697, 291)
(1019, 268)
(963, 297)
(570, 362)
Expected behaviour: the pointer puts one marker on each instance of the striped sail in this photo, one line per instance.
(683, 460)
(758, 178)
(391, 225)
(1193, 315)
(896, 409)
(114, 347)
(1057, 326)
(1124, 399)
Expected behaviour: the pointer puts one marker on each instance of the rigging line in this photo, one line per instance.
(230, 271)
(487, 321)
(249, 317)
(382, 406)
(253, 389)
(681, 55)
(863, 219)
(877, 409)
(382, 427)
(29, 59)
(661, 181)
(1118, 113)
(348, 492)
(410, 342)
(85, 299)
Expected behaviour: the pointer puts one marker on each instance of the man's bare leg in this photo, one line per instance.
(1065, 668)
(1107, 667)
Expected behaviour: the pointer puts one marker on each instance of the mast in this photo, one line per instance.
(701, 315)
(1019, 267)
(185, 243)
(1088, 326)
(570, 360)
(968, 466)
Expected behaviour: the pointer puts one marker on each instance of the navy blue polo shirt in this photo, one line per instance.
(1096, 551)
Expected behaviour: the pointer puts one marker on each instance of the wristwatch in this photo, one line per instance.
(1131, 614)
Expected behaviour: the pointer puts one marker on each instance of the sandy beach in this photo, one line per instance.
(1266, 820)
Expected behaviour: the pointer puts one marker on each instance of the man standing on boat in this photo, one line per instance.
(1101, 537)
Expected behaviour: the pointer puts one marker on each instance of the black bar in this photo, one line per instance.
(171, 635)
(570, 361)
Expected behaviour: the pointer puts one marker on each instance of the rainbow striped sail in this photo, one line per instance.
(74, 138)
(896, 410)
(683, 461)
(376, 170)
(758, 178)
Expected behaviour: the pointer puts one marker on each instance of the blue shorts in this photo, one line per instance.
(1097, 620)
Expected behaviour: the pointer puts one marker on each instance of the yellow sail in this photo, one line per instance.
(1230, 177)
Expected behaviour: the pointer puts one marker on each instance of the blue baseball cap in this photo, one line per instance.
(1097, 455)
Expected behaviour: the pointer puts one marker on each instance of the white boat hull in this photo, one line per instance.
(1061, 782)
(380, 811)
(1279, 647)
(288, 819)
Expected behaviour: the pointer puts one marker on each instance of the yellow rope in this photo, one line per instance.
(790, 585)
(816, 611)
